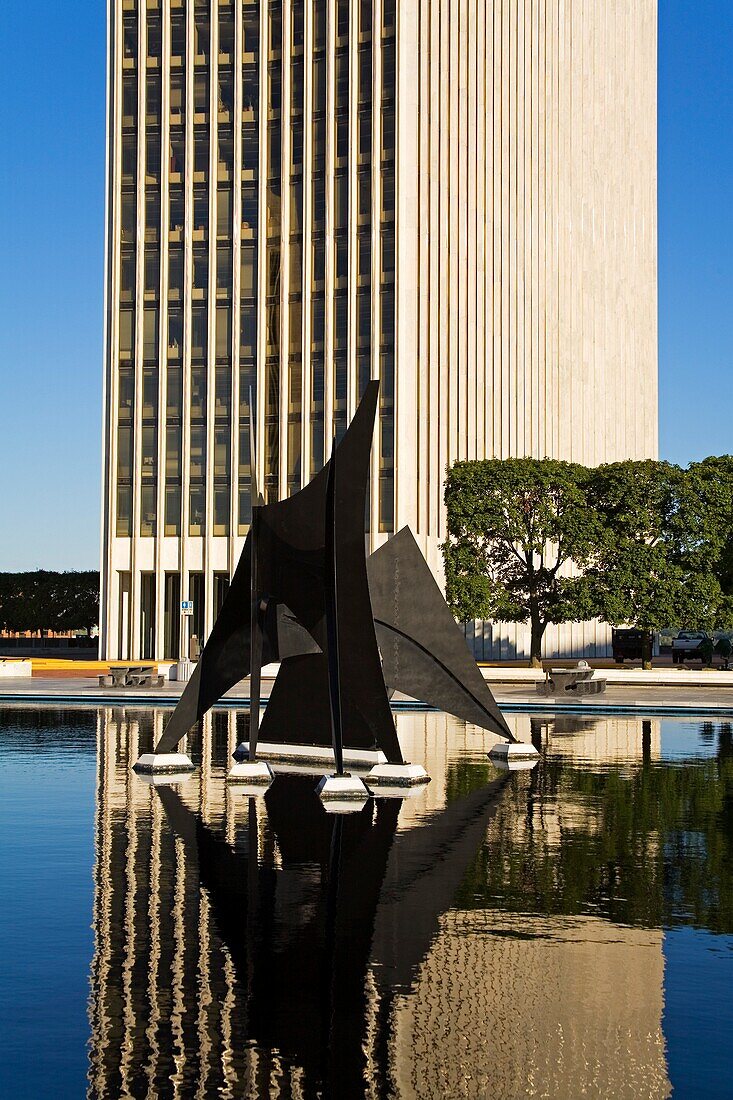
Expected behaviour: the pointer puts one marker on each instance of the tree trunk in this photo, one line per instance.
(535, 644)
(647, 649)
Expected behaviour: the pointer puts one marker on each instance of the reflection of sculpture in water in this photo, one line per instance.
(346, 900)
(227, 931)
(298, 933)
(266, 945)
(304, 595)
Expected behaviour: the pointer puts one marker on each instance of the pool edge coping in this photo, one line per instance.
(242, 702)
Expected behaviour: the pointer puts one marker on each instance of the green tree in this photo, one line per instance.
(23, 597)
(654, 563)
(707, 510)
(44, 600)
(75, 600)
(520, 533)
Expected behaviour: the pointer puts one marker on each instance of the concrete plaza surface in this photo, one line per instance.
(633, 689)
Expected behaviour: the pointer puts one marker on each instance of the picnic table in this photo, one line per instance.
(131, 676)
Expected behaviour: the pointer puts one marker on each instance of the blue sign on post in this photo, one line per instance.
(187, 607)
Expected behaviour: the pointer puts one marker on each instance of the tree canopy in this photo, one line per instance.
(653, 565)
(640, 543)
(708, 505)
(44, 600)
(514, 528)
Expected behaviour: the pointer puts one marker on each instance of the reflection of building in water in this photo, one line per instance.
(224, 960)
(433, 739)
(607, 739)
(231, 935)
(166, 1011)
(508, 1006)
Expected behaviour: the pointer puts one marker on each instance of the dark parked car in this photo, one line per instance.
(632, 645)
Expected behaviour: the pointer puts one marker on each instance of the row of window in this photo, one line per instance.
(250, 31)
(223, 282)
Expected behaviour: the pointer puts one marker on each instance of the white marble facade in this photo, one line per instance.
(523, 279)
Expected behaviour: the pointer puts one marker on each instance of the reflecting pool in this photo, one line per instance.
(563, 931)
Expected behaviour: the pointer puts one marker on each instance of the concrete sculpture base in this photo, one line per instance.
(163, 763)
(342, 788)
(257, 773)
(513, 750)
(397, 775)
(311, 754)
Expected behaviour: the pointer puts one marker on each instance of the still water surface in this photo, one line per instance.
(559, 932)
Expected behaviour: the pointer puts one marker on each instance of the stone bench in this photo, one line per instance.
(570, 681)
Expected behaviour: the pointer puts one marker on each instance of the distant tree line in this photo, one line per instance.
(638, 543)
(45, 601)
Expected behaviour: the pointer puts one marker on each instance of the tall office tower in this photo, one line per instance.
(454, 196)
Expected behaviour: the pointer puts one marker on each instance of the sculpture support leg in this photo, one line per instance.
(331, 601)
(253, 775)
(255, 675)
(339, 792)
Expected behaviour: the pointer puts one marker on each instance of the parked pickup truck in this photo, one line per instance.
(686, 645)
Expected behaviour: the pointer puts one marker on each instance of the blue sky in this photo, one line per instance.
(695, 228)
(52, 92)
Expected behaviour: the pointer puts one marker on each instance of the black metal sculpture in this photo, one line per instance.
(303, 594)
(424, 653)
